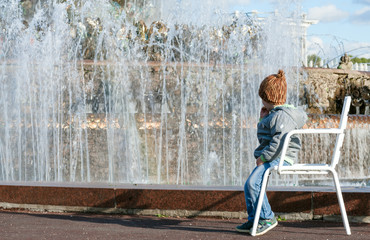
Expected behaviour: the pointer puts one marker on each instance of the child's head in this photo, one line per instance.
(273, 89)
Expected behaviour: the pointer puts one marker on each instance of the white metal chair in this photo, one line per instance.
(312, 168)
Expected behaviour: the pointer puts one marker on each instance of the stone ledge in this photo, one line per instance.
(291, 204)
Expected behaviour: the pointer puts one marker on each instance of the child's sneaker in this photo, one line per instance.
(245, 227)
(266, 225)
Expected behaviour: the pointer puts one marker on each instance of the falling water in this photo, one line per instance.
(95, 91)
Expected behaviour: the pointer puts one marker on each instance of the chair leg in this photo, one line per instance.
(260, 200)
(341, 202)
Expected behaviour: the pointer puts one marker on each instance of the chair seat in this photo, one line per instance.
(305, 169)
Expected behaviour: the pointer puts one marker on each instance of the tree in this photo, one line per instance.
(314, 58)
(359, 60)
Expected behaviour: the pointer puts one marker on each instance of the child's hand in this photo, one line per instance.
(264, 112)
(259, 162)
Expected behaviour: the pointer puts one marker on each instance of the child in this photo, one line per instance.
(277, 119)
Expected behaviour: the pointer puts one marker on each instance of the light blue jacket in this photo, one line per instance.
(272, 129)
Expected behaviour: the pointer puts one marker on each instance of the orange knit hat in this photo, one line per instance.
(273, 88)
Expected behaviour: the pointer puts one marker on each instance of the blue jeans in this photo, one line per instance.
(252, 190)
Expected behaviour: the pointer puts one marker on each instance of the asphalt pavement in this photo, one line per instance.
(44, 225)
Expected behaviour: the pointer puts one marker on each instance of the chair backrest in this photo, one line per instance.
(342, 126)
(344, 114)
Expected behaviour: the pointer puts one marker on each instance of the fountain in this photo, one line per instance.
(113, 92)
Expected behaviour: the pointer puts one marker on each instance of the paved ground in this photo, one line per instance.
(33, 225)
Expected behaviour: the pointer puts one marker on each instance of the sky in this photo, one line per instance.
(343, 27)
